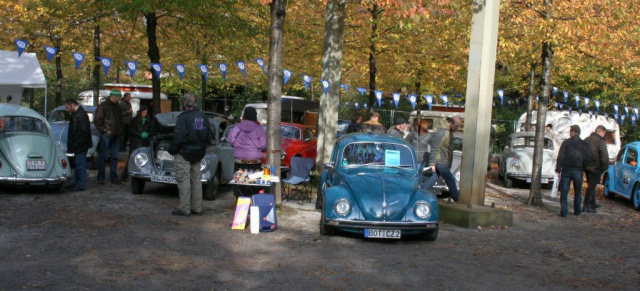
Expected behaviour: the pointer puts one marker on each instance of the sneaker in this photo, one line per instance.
(177, 212)
(101, 182)
(116, 181)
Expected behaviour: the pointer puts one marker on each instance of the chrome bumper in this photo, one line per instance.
(147, 177)
(524, 176)
(384, 224)
(20, 180)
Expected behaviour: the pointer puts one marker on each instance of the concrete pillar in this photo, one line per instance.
(479, 99)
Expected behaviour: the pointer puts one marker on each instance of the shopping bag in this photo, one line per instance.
(554, 187)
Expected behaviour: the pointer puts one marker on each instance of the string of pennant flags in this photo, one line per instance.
(629, 113)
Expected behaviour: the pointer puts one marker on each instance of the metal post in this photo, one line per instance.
(482, 59)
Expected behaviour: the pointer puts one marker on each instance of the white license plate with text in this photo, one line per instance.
(36, 165)
(381, 233)
(164, 179)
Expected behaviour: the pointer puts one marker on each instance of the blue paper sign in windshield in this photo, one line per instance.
(106, 64)
(361, 90)
(242, 66)
(396, 98)
(78, 57)
(325, 86)
(260, 62)
(413, 99)
(391, 158)
(157, 67)
(223, 70)
(204, 69)
(307, 81)
(287, 75)
(180, 68)
(22, 45)
(51, 51)
(132, 66)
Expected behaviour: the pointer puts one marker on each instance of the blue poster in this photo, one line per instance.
(157, 67)
(243, 68)
(391, 158)
(204, 69)
(78, 57)
(261, 64)
(51, 51)
(132, 66)
(287, 74)
(180, 68)
(106, 64)
(307, 81)
(22, 45)
(223, 70)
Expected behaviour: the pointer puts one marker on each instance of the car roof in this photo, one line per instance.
(369, 137)
(635, 144)
(85, 107)
(17, 110)
(527, 133)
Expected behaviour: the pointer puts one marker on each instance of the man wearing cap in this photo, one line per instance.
(108, 121)
(398, 127)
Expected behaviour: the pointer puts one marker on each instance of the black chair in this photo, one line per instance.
(298, 184)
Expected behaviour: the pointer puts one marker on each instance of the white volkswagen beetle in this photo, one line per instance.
(516, 160)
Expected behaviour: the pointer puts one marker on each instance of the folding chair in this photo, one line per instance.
(298, 183)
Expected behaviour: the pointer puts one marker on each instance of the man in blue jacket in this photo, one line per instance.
(191, 137)
(573, 157)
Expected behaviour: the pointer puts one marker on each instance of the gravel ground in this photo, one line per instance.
(107, 238)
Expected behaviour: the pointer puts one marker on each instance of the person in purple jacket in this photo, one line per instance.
(249, 140)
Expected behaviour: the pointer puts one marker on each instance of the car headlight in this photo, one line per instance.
(422, 209)
(141, 159)
(283, 155)
(515, 166)
(203, 165)
(342, 207)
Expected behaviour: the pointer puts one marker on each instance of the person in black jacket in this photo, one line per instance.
(191, 136)
(139, 129)
(573, 157)
(599, 163)
(78, 142)
(354, 125)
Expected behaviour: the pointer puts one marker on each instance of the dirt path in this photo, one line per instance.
(107, 238)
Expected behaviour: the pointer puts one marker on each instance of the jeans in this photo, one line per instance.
(593, 177)
(108, 146)
(444, 172)
(565, 182)
(80, 174)
(189, 185)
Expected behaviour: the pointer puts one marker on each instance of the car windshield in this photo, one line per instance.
(24, 124)
(529, 141)
(377, 154)
(64, 115)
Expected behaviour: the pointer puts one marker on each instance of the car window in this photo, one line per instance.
(60, 115)
(24, 124)
(530, 141)
(376, 154)
(290, 132)
(631, 157)
(620, 156)
(308, 134)
(610, 137)
(457, 144)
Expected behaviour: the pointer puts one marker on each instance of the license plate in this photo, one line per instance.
(381, 233)
(164, 179)
(36, 165)
(544, 181)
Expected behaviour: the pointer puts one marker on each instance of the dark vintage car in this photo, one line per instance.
(623, 177)
(155, 164)
(29, 155)
(59, 122)
(372, 186)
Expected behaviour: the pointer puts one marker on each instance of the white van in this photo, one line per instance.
(562, 121)
(293, 109)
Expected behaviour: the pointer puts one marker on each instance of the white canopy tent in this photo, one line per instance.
(17, 73)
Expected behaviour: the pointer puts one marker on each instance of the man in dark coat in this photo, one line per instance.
(127, 115)
(78, 142)
(108, 121)
(191, 136)
(573, 157)
(139, 129)
(441, 157)
(598, 164)
(373, 125)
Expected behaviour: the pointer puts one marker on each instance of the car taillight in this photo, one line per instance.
(0, 164)
(63, 163)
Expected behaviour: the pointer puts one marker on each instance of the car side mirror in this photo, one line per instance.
(328, 166)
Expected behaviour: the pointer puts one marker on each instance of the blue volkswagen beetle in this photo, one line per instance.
(59, 122)
(371, 186)
(29, 155)
(623, 177)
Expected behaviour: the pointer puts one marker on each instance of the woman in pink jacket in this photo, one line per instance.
(249, 140)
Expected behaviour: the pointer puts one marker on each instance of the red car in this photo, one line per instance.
(296, 140)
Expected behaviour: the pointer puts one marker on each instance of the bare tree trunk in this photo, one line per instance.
(96, 67)
(278, 13)
(203, 86)
(331, 71)
(535, 197)
(530, 98)
(154, 57)
(58, 81)
(372, 56)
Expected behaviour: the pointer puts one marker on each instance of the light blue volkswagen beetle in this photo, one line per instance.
(29, 155)
(623, 177)
(372, 187)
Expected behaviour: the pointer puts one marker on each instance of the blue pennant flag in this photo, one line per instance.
(555, 91)
(261, 64)
(379, 97)
(509, 103)
(517, 102)
(635, 109)
(365, 105)
(413, 99)
(396, 98)
(346, 104)
(361, 90)
(78, 57)
(586, 103)
(307, 81)
(633, 120)
(597, 103)
(606, 114)
(132, 66)
(180, 68)
(577, 100)
(223, 69)
(501, 94)
(287, 75)
(566, 96)
(345, 87)
(590, 114)
(243, 68)
(555, 104)
(445, 99)
(51, 51)
(570, 110)
(390, 102)
(626, 110)
(615, 107)
(325, 86)
(561, 106)
(106, 64)
(356, 105)
(22, 45)
(622, 117)
(615, 116)
(204, 69)
(157, 67)
(429, 99)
